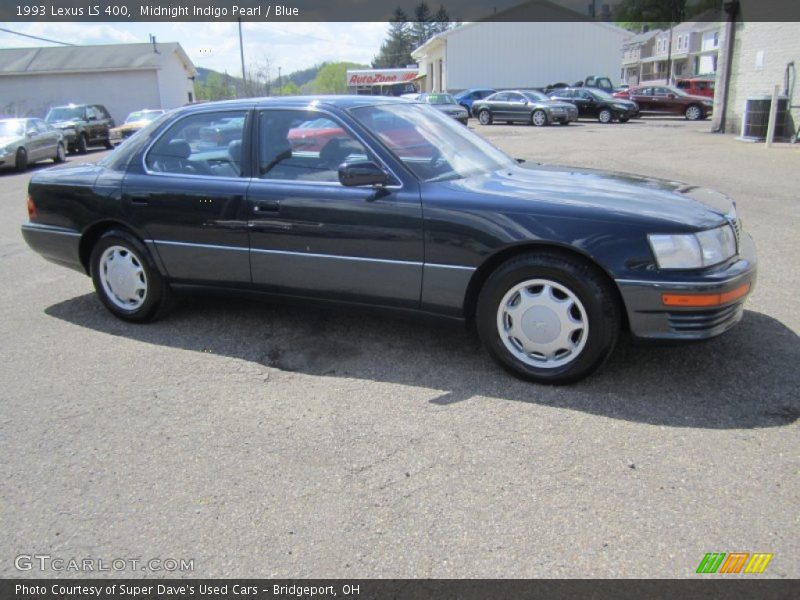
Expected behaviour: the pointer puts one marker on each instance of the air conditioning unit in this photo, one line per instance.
(756, 118)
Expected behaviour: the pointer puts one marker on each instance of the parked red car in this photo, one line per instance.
(667, 100)
(696, 86)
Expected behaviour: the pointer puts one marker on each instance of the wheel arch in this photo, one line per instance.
(94, 232)
(493, 261)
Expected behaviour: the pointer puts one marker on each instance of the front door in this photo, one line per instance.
(310, 235)
(189, 196)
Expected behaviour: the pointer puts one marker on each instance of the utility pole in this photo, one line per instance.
(669, 57)
(241, 53)
(280, 83)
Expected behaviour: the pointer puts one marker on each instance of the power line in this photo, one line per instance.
(34, 37)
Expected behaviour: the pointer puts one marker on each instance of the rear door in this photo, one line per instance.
(518, 107)
(499, 105)
(642, 97)
(48, 138)
(188, 193)
(312, 236)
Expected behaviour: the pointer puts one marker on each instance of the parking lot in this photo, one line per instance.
(267, 440)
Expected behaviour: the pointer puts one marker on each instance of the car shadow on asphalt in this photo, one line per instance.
(747, 378)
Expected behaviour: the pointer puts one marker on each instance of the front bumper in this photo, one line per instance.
(57, 244)
(649, 318)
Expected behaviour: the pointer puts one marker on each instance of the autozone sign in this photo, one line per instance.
(355, 78)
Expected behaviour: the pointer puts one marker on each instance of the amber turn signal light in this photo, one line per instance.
(698, 300)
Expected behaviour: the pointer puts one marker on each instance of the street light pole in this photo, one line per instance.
(241, 53)
(280, 84)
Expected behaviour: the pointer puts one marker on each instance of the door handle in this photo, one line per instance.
(267, 206)
(138, 199)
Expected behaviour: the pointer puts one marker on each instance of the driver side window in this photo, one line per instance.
(298, 145)
(207, 144)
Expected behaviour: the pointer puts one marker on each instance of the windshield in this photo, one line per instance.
(440, 99)
(143, 115)
(433, 146)
(12, 127)
(64, 113)
(535, 96)
(676, 91)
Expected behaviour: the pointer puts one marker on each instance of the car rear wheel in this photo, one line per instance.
(21, 160)
(539, 118)
(565, 122)
(624, 119)
(548, 317)
(126, 278)
(83, 144)
(485, 117)
(61, 154)
(693, 112)
(605, 116)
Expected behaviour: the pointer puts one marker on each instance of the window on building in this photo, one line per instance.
(716, 39)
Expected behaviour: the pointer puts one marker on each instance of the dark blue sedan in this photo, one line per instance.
(385, 202)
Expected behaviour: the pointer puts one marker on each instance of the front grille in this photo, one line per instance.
(697, 321)
(737, 230)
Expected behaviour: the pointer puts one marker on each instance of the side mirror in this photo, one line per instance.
(92, 118)
(362, 173)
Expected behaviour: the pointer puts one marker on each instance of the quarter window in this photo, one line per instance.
(298, 145)
(207, 144)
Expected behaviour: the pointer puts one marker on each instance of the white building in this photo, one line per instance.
(492, 54)
(123, 77)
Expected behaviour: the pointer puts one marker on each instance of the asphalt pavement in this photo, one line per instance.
(272, 440)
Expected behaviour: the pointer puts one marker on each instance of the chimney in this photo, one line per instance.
(155, 46)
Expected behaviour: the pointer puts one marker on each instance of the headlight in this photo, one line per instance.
(693, 250)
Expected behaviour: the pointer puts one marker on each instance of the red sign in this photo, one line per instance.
(379, 77)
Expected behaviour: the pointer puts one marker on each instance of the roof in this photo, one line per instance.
(76, 59)
(298, 102)
(530, 11)
(642, 38)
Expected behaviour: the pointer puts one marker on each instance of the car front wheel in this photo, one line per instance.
(605, 116)
(485, 117)
(126, 279)
(693, 113)
(21, 160)
(548, 317)
(61, 154)
(539, 118)
(83, 144)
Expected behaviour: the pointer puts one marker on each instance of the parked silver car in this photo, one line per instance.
(527, 106)
(26, 141)
(447, 104)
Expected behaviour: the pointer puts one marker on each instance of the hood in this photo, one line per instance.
(450, 109)
(601, 195)
(9, 139)
(64, 124)
(132, 126)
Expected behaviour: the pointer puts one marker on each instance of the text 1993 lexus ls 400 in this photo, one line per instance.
(388, 202)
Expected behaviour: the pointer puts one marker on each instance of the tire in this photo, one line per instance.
(136, 268)
(82, 144)
(485, 117)
(553, 279)
(693, 113)
(624, 119)
(467, 108)
(538, 118)
(565, 122)
(61, 154)
(107, 143)
(21, 160)
(605, 116)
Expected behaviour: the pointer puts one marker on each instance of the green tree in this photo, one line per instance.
(332, 78)
(290, 89)
(214, 88)
(396, 49)
(422, 29)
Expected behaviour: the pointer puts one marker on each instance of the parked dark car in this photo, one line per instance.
(666, 100)
(408, 210)
(26, 141)
(597, 104)
(83, 125)
(467, 97)
(446, 104)
(526, 106)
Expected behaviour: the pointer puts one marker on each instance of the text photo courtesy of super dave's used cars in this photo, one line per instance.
(389, 202)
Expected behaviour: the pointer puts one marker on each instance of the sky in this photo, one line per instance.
(215, 45)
